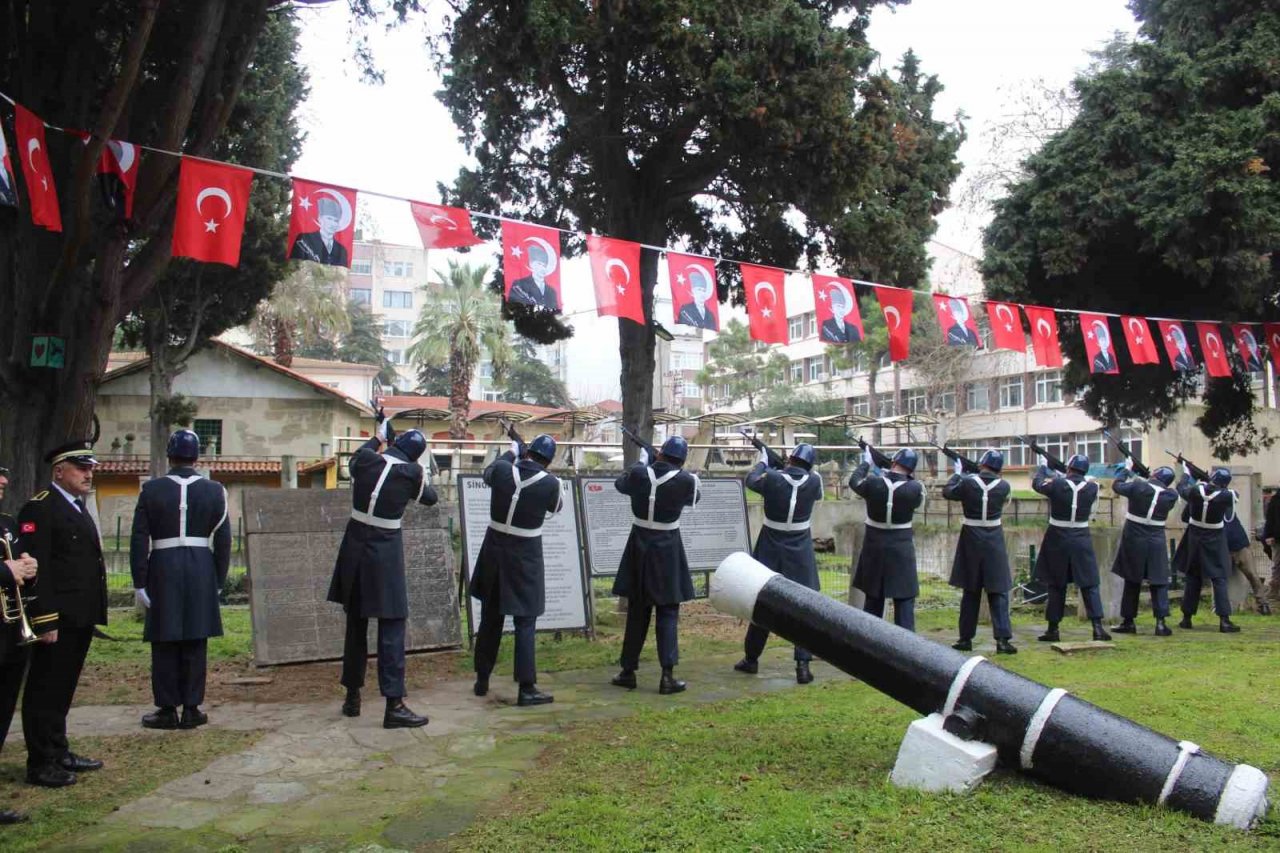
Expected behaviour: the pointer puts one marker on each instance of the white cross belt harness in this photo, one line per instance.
(790, 525)
(654, 482)
(367, 517)
(182, 540)
(1075, 498)
(888, 509)
(986, 494)
(507, 527)
(1148, 519)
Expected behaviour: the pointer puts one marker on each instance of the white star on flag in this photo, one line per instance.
(680, 278)
(823, 296)
(211, 226)
(1138, 340)
(305, 204)
(1008, 328)
(766, 313)
(515, 251)
(621, 289)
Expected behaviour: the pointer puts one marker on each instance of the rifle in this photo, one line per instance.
(881, 461)
(1138, 468)
(775, 461)
(1196, 471)
(510, 429)
(641, 443)
(967, 465)
(1052, 461)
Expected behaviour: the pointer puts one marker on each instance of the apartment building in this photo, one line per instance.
(386, 277)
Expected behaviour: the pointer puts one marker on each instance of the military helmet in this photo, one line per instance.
(184, 444)
(411, 443)
(1163, 475)
(907, 458)
(1078, 463)
(544, 447)
(805, 455)
(675, 448)
(992, 459)
(1220, 477)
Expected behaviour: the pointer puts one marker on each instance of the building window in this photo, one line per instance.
(797, 372)
(946, 400)
(362, 266)
(1093, 445)
(492, 396)
(1015, 452)
(817, 369)
(977, 398)
(886, 406)
(1132, 441)
(210, 433)
(1054, 444)
(486, 370)
(397, 328)
(395, 356)
(690, 390)
(917, 401)
(1049, 387)
(679, 360)
(399, 269)
(860, 406)
(795, 327)
(1011, 393)
(360, 295)
(812, 325)
(397, 299)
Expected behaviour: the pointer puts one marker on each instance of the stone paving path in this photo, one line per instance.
(318, 781)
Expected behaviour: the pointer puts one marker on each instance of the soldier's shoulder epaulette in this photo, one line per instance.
(39, 496)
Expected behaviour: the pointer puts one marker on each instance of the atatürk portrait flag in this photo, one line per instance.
(896, 305)
(321, 223)
(1137, 334)
(1097, 343)
(766, 303)
(213, 199)
(956, 321)
(836, 306)
(8, 189)
(1247, 344)
(1176, 345)
(443, 227)
(1044, 335)
(530, 264)
(615, 270)
(36, 170)
(1213, 350)
(1272, 333)
(693, 291)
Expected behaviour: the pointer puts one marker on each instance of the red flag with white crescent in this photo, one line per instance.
(1137, 334)
(1098, 345)
(1246, 335)
(836, 304)
(956, 321)
(531, 265)
(443, 227)
(322, 223)
(766, 303)
(896, 304)
(1176, 345)
(36, 170)
(1271, 331)
(615, 269)
(1213, 350)
(1044, 335)
(213, 199)
(693, 291)
(1006, 327)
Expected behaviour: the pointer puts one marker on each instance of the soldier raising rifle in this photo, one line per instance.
(1142, 554)
(887, 564)
(1203, 552)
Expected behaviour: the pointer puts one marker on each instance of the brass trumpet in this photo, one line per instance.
(16, 610)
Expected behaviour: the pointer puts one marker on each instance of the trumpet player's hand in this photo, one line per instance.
(51, 637)
(23, 569)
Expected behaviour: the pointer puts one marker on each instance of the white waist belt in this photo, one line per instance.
(980, 522)
(787, 527)
(511, 530)
(1150, 522)
(182, 542)
(375, 521)
(1059, 523)
(1218, 526)
(880, 525)
(655, 525)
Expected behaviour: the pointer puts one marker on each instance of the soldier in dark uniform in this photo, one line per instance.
(509, 576)
(981, 562)
(1066, 552)
(17, 575)
(1203, 551)
(784, 543)
(1142, 554)
(179, 553)
(887, 565)
(368, 578)
(654, 572)
(58, 531)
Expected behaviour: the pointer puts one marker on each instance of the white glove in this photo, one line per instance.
(140, 596)
(959, 466)
(381, 431)
(1128, 463)
(764, 457)
(1186, 469)
(644, 456)
(867, 457)
(515, 448)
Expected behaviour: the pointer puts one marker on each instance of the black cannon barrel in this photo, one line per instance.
(1047, 733)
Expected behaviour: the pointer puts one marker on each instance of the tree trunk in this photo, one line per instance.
(636, 347)
(283, 343)
(460, 369)
(873, 401)
(161, 376)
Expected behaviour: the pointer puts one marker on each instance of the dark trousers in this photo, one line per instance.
(1129, 600)
(757, 637)
(904, 611)
(638, 615)
(51, 685)
(1056, 605)
(489, 638)
(971, 603)
(355, 654)
(12, 668)
(178, 672)
(1191, 595)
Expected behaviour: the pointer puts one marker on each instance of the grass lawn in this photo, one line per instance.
(806, 769)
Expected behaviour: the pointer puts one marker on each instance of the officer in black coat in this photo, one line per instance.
(1066, 552)
(654, 572)
(1203, 551)
(58, 531)
(17, 575)
(981, 562)
(784, 543)
(509, 578)
(1142, 554)
(368, 578)
(179, 553)
(887, 565)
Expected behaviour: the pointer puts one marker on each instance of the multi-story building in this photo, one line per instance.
(387, 277)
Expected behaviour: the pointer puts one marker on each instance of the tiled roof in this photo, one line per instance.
(141, 465)
(400, 403)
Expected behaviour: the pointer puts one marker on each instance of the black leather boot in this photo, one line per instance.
(1185, 624)
(748, 665)
(1099, 633)
(531, 695)
(669, 683)
(1125, 627)
(1264, 609)
(626, 678)
(1163, 630)
(398, 716)
(481, 687)
(162, 718)
(963, 645)
(1004, 647)
(351, 705)
(192, 717)
(803, 675)
(1226, 626)
(1050, 636)
(9, 816)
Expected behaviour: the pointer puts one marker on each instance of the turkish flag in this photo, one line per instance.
(693, 291)
(1213, 350)
(1044, 335)
(956, 321)
(443, 227)
(322, 223)
(1137, 334)
(9, 191)
(839, 320)
(1098, 345)
(1006, 326)
(36, 170)
(615, 269)
(766, 303)
(1272, 333)
(1176, 345)
(531, 265)
(213, 199)
(1247, 343)
(896, 305)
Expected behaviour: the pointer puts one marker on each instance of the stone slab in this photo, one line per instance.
(1087, 646)
(932, 759)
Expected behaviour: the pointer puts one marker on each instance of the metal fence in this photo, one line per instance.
(115, 552)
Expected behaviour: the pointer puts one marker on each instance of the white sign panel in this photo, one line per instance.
(561, 556)
(712, 530)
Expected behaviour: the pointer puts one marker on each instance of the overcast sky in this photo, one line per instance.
(397, 139)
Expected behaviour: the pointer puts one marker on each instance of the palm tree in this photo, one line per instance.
(459, 319)
(304, 307)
